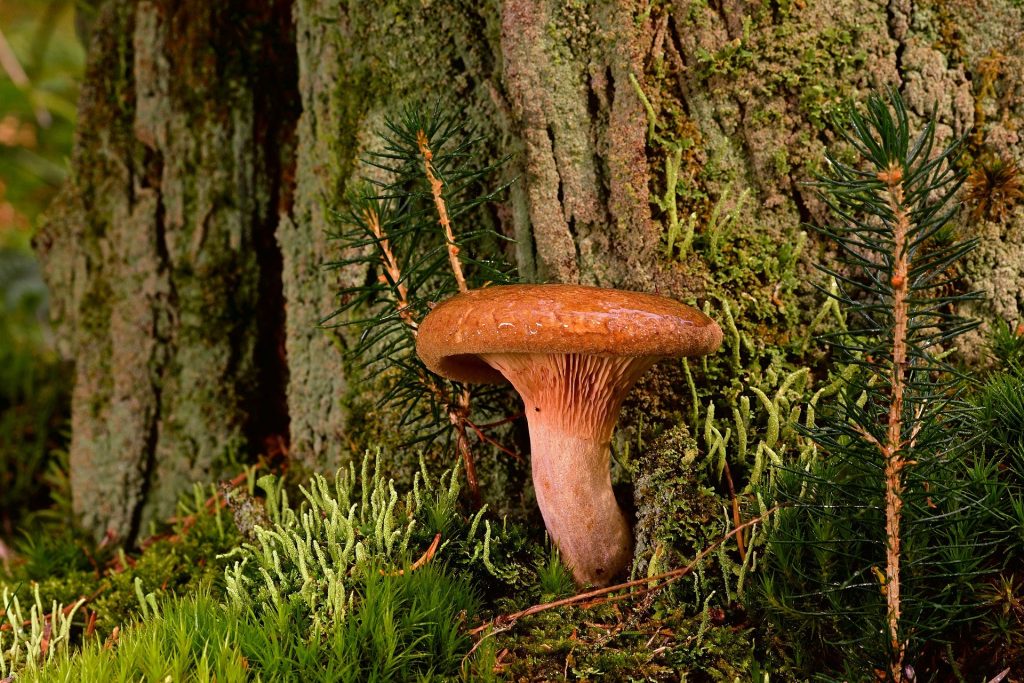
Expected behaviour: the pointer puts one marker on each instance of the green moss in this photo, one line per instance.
(187, 565)
(610, 643)
(677, 513)
(727, 61)
(145, 596)
(405, 627)
(179, 562)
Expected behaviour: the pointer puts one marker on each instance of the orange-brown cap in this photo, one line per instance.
(557, 319)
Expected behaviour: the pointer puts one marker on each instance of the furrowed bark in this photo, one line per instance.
(160, 252)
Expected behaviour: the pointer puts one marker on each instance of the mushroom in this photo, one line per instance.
(572, 353)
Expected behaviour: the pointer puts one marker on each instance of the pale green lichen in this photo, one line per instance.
(315, 554)
(31, 640)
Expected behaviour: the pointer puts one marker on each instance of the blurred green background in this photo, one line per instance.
(41, 63)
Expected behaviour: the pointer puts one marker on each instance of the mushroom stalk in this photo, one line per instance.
(572, 402)
(577, 502)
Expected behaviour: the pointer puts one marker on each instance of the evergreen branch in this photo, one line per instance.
(391, 231)
(891, 532)
(893, 447)
(458, 413)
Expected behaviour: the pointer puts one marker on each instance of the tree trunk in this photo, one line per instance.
(161, 255)
(186, 254)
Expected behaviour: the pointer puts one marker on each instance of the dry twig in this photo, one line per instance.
(424, 558)
(436, 187)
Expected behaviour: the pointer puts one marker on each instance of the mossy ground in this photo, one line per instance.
(68, 566)
(708, 626)
(137, 604)
(616, 643)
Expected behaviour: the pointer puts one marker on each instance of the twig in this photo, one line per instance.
(507, 620)
(394, 274)
(458, 415)
(436, 186)
(736, 519)
(480, 641)
(504, 449)
(869, 437)
(9, 62)
(424, 558)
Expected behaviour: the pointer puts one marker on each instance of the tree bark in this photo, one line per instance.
(160, 251)
(186, 254)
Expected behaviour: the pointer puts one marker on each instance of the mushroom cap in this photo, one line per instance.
(557, 319)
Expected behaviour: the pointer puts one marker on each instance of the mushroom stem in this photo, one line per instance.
(574, 492)
(572, 403)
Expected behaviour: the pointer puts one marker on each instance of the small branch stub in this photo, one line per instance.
(436, 188)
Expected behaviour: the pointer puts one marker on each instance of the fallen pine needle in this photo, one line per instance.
(426, 557)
